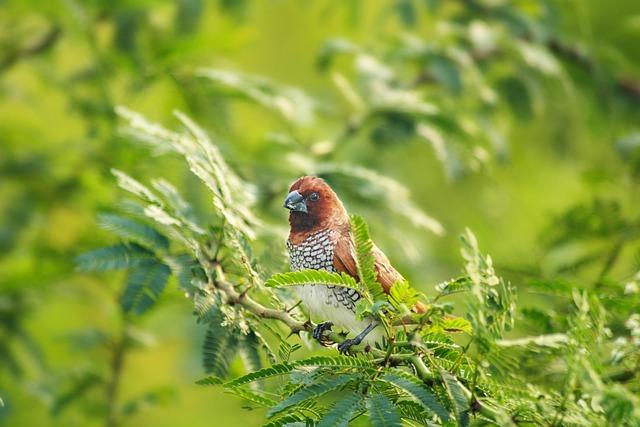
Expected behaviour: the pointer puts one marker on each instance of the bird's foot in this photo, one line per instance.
(319, 330)
(345, 345)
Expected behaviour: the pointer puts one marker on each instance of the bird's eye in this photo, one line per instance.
(313, 197)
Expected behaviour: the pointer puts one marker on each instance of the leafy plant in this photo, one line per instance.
(431, 369)
(402, 91)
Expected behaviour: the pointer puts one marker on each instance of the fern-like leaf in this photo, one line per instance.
(454, 286)
(314, 390)
(365, 258)
(251, 396)
(113, 258)
(272, 371)
(135, 187)
(335, 361)
(219, 348)
(134, 231)
(210, 380)
(452, 324)
(458, 396)
(417, 390)
(382, 412)
(286, 420)
(144, 285)
(340, 414)
(285, 350)
(312, 277)
(249, 352)
(410, 410)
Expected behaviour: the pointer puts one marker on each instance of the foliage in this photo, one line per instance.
(420, 361)
(516, 119)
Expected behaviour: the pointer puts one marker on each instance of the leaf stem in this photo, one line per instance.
(115, 375)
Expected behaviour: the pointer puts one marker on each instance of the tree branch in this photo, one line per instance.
(255, 307)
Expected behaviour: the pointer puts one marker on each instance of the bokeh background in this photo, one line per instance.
(517, 119)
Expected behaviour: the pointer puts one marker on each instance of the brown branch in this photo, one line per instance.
(232, 296)
(243, 299)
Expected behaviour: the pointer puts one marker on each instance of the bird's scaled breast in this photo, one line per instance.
(316, 253)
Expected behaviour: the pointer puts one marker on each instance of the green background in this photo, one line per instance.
(59, 139)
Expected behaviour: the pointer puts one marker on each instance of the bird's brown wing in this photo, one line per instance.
(344, 261)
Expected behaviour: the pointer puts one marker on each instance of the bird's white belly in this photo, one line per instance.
(314, 298)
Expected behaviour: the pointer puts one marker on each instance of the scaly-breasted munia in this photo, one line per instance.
(320, 239)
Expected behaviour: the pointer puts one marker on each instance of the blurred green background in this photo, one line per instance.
(560, 136)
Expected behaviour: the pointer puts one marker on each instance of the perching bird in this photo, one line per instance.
(320, 239)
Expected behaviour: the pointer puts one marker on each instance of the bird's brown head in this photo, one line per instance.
(313, 206)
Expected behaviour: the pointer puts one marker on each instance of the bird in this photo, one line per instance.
(320, 239)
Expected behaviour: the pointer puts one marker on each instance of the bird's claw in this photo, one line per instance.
(345, 345)
(319, 330)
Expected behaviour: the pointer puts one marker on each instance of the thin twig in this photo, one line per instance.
(115, 375)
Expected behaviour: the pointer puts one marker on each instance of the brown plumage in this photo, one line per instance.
(328, 212)
(320, 238)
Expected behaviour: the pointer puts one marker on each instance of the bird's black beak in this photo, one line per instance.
(295, 202)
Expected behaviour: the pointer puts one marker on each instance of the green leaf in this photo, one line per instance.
(365, 258)
(340, 414)
(286, 420)
(393, 128)
(458, 395)
(382, 411)
(542, 319)
(160, 396)
(249, 352)
(272, 371)
(401, 293)
(312, 277)
(413, 411)
(335, 361)
(79, 388)
(285, 350)
(538, 57)
(445, 71)
(180, 207)
(331, 48)
(188, 16)
(144, 285)
(452, 324)
(113, 258)
(134, 186)
(219, 348)
(184, 268)
(516, 93)
(293, 104)
(210, 380)
(407, 12)
(251, 396)
(416, 389)
(454, 286)
(313, 390)
(134, 231)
